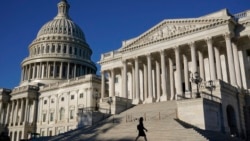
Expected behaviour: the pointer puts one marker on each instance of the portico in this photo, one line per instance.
(158, 65)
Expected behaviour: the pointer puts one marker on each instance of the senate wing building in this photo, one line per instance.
(201, 63)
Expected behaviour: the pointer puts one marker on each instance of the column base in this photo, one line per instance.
(136, 101)
(164, 98)
(149, 100)
(188, 94)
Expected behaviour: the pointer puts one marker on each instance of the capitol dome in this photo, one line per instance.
(59, 51)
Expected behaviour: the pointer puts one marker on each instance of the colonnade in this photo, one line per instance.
(54, 69)
(15, 107)
(165, 74)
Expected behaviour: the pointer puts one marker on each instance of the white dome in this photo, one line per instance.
(61, 24)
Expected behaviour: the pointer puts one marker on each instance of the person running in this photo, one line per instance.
(141, 129)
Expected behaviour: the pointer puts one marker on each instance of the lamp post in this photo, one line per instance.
(110, 101)
(96, 97)
(211, 87)
(197, 80)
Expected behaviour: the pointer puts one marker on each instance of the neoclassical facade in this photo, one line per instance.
(57, 82)
(160, 64)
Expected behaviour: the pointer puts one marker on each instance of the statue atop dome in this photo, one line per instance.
(63, 10)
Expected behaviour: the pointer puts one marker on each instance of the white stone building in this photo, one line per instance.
(58, 82)
(160, 64)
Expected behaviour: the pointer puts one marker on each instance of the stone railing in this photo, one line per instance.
(71, 81)
(25, 88)
(111, 54)
(242, 14)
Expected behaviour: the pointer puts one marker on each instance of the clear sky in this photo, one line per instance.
(106, 23)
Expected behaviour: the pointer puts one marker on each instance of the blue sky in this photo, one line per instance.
(106, 23)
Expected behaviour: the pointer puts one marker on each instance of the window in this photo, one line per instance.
(52, 101)
(51, 116)
(61, 114)
(62, 99)
(45, 102)
(71, 114)
(116, 79)
(44, 117)
(72, 96)
(70, 50)
(81, 95)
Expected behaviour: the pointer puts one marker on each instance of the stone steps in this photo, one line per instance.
(160, 128)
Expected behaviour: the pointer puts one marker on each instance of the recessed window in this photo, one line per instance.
(72, 96)
(45, 102)
(81, 95)
(52, 101)
(116, 79)
(71, 114)
(62, 99)
(51, 116)
(44, 117)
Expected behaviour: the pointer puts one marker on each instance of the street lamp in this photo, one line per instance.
(197, 80)
(96, 97)
(110, 101)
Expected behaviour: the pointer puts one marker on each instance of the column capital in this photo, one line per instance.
(209, 40)
(148, 54)
(227, 35)
(191, 44)
(175, 48)
(162, 52)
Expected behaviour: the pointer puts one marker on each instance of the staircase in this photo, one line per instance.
(159, 119)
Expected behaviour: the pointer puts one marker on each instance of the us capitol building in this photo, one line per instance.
(202, 63)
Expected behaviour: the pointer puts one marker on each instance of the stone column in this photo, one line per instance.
(61, 70)
(28, 78)
(237, 65)
(178, 72)
(158, 80)
(211, 58)
(74, 70)
(218, 63)
(49, 70)
(7, 114)
(125, 79)
(186, 74)
(22, 113)
(171, 79)
(150, 81)
(16, 111)
(145, 81)
(103, 85)
(42, 75)
(193, 56)
(230, 58)
(137, 82)
(54, 70)
(112, 87)
(68, 70)
(12, 112)
(201, 64)
(35, 111)
(33, 71)
(26, 110)
(163, 76)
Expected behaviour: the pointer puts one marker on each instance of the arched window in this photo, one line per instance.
(61, 114)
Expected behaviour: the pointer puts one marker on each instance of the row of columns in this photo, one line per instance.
(54, 70)
(59, 48)
(12, 118)
(175, 84)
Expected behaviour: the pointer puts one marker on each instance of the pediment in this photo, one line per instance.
(168, 29)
